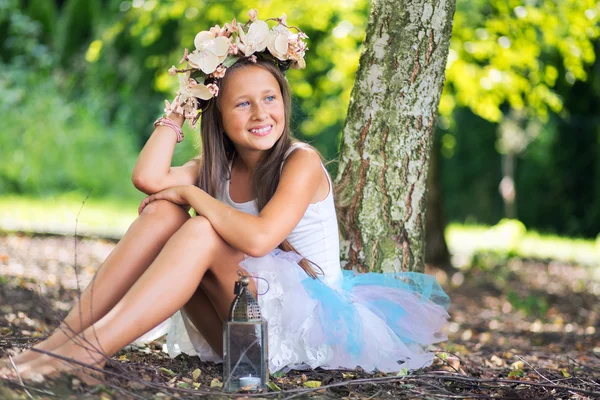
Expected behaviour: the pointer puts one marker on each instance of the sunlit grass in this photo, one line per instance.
(105, 217)
(112, 216)
(512, 238)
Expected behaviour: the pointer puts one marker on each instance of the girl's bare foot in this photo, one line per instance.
(23, 357)
(87, 366)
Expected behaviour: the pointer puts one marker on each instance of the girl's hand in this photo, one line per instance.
(173, 194)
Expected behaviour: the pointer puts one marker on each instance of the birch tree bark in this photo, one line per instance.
(387, 139)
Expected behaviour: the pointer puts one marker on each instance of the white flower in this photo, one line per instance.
(299, 64)
(189, 89)
(255, 40)
(210, 51)
(173, 71)
(278, 42)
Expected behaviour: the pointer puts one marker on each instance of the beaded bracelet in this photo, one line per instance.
(171, 124)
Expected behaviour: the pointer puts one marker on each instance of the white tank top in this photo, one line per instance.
(316, 235)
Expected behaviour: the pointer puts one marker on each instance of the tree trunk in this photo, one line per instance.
(436, 250)
(382, 175)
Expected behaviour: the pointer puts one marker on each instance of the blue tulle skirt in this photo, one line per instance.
(380, 322)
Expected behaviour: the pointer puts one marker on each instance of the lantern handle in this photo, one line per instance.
(241, 274)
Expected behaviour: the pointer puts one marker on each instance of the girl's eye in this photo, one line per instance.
(244, 103)
(270, 98)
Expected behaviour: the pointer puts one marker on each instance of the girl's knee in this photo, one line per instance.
(165, 209)
(200, 226)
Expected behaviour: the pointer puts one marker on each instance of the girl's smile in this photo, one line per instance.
(262, 130)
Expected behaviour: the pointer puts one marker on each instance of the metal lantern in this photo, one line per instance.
(245, 353)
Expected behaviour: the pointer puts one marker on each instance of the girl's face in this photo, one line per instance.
(252, 109)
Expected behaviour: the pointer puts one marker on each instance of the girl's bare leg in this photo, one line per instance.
(167, 285)
(130, 258)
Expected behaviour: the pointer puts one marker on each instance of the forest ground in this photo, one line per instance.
(521, 329)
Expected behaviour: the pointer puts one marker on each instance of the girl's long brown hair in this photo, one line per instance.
(218, 150)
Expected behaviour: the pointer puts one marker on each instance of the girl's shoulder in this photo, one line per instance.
(303, 161)
(304, 153)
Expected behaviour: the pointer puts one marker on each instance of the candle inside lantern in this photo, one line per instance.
(250, 382)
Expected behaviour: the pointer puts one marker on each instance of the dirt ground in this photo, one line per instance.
(519, 329)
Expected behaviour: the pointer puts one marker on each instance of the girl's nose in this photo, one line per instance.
(259, 113)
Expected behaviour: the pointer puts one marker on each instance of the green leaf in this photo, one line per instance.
(312, 384)
(278, 374)
(565, 373)
(182, 384)
(273, 386)
(167, 371)
(517, 373)
(402, 372)
(230, 60)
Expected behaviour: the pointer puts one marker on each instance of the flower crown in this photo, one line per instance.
(220, 48)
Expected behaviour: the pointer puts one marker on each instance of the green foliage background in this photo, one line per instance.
(81, 82)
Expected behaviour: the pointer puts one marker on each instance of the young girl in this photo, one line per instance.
(264, 206)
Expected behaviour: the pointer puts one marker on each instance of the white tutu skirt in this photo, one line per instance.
(380, 322)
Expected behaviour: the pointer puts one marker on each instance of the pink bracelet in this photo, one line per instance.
(171, 124)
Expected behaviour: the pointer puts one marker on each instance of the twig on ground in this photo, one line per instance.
(19, 376)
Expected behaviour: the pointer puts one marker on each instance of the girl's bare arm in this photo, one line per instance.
(258, 235)
(153, 172)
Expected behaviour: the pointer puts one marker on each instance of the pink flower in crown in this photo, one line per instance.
(185, 56)
(233, 49)
(252, 58)
(253, 13)
(231, 27)
(173, 71)
(296, 48)
(215, 30)
(219, 72)
(283, 19)
(214, 89)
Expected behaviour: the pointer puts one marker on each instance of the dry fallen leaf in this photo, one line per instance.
(312, 384)
(136, 385)
(196, 374)
(497, 361)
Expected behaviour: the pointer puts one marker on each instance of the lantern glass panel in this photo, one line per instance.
(245, 355)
